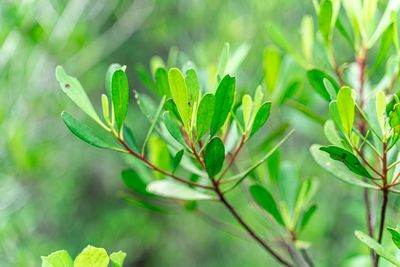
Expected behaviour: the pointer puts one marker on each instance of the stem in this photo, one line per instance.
(382, 222)
(362, 60)
(385, 198)
(154, 167)
(249, 230)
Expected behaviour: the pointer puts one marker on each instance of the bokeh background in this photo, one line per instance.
(58, 193)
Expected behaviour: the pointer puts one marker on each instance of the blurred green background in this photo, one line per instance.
(58, 193)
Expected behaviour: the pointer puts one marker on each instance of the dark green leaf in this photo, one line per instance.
(173, 127)
(224, 100)
(177, 159)
(265, 200)
(316, 78)
(261, 117)
(214, 156)
(395, 236)
(120, 96)
(83, 132)
(336, 168)
(347, 158)
(134, 181)
(171, 107)
(204, 114)
(161, 77)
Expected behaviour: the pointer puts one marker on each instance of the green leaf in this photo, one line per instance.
(394, 116)
(272, 64)
(375, 246)
(132, 180)
(331, 133)
(381, 109)
(193, 87)
(316, 78)
(325, 20)
(59, 258)
(130, 139)
(83, 132)
(145, 77)
(386, 42)
(223, 60)
(307, 37)
(307, 216)
(74, 90)
(162, 84)
(204, 114)
(265, 200)
(391, 7)
(153, 123)
(92, 257)
(247, 104)
(110, 72)
(171, 107)
(120, 96)
(173, 127)
(273, 163)
(179, 94)
(177, 159)
(261, 117)
(117, 258)
(224, 100)
(336, 168)
(238, 178)
(395, 236)
(214, 156)
(347, 158)
(280, 41)
(176, 190)
(346, 106)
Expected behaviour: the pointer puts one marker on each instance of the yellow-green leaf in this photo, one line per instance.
(59, 258)
(272, 64)
(346, 106)
(247, 103)
(92, 257)
(179, 94)
(381, 109)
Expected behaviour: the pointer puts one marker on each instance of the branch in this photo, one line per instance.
(154, 167)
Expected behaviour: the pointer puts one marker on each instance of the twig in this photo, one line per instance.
(154, 167)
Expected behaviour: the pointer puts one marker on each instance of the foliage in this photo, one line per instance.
(89, 257)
